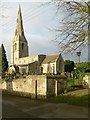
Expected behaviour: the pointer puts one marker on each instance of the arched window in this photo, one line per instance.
(53, 68)
(48, 67)
(15, 46)
(41, 70)
(22, 46)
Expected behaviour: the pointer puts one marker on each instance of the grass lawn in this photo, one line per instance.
(73, 98)
(79, 97)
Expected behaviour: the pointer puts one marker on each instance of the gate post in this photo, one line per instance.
(56, 87)
(36, 89)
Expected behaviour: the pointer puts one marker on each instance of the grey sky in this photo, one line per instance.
(37, 21)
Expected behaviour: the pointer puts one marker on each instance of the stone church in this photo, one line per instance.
(36, 64)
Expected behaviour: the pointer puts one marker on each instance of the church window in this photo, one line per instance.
(59, 64)
(23, 71)
(48, 67)
(15, 46)
(22, 46)
(53, 69)
(41, 70)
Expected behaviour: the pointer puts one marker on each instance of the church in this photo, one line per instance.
(36, 64)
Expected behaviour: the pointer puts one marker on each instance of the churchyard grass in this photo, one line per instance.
(79, 99)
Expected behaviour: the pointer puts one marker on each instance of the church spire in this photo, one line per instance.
(19, 25)
(19, 47)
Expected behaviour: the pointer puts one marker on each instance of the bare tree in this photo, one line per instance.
(75, 29)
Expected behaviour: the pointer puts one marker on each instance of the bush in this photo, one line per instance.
(87, 70)
(72, 82)
(83, 66)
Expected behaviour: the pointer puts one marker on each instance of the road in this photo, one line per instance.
(20, 107)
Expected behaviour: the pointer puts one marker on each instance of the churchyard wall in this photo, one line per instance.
(36, 86)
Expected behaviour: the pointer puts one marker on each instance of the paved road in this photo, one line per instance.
(19, 107)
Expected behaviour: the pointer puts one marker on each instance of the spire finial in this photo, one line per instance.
(19, 7)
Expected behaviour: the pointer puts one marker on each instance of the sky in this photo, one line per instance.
(38, 19)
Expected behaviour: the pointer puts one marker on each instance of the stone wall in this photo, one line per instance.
(49, 68)
(28, 85)
(36, 86)
(32, 68)
(3, 85)
(50, 87)
(86, 81)
(27, 60)
(55, 85)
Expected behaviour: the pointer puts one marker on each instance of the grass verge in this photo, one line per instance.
(72, 100)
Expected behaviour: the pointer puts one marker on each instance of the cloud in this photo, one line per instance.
(40, 44)
(27, 0)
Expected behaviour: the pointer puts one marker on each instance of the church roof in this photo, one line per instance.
(51, 58)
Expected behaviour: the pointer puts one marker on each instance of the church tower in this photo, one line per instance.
(19, 47)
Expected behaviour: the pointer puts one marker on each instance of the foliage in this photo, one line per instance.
(3, 61)
(6, 77)
(74, 27)
(69, 66)
(81, 70)
(87, 70)
(82, 67)
(0, 62)
(72, 82)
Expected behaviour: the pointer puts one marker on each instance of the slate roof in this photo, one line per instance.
(50, 58)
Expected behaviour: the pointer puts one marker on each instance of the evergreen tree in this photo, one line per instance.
(0, 61)
(69, 66)
(3, 60)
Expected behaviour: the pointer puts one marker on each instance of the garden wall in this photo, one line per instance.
(35, 86)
